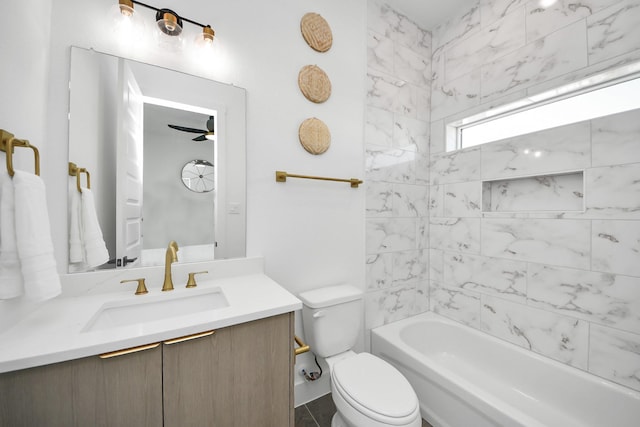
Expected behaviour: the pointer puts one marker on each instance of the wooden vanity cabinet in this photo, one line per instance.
(241, 375)
(121, 391)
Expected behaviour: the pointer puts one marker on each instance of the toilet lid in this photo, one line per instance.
(375, 385)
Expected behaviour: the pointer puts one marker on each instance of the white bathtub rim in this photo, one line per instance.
(431, 316)
(480, 400)
(483, 401)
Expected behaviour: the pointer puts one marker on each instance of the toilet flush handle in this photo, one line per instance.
(318, 314)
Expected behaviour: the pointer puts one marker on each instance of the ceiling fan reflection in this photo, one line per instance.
(207, 134)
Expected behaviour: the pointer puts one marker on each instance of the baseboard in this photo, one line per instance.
(306, 391)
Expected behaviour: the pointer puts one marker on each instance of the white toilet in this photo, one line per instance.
(367, 391)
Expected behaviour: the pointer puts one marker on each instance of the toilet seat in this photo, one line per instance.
(376, 390)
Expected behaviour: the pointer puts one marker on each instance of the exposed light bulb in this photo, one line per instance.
(170, 25)
(204, 47)
(169, 22)
(208, 34)
(204, 40)
(169, 36)
(126, 10)
(126, 23)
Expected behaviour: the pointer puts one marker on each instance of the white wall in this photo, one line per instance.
(24, 87)
(24, 74)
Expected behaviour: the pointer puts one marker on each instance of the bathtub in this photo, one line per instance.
(466, 378)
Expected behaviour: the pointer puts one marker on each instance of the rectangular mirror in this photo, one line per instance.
(166, 153)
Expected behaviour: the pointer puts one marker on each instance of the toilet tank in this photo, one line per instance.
(332, 318)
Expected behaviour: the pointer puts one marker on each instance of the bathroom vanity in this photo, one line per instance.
(229, 365)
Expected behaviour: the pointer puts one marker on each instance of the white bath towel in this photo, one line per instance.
(33, 238)
(95, 250)
(11, 284)
(76, 248)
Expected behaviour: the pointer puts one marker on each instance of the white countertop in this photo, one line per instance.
(54, 332)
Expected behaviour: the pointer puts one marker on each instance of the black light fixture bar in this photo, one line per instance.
(178, 16)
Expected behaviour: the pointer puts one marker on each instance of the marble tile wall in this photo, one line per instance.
(565, 283)
(396, 167)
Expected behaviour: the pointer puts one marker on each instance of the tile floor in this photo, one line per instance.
(318, 413)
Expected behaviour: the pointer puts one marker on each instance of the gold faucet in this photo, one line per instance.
(171, 256)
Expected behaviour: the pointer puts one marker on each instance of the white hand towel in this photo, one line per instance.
(95, 249)
(76, 249)
(33, 237)
(11, 284)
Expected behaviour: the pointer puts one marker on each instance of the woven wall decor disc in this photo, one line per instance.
(316, 32)
(314, 83)
(314, 136)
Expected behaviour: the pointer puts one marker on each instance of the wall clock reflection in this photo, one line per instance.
(198, 176)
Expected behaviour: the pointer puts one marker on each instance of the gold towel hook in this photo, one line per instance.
(74, 170)
(8, 142)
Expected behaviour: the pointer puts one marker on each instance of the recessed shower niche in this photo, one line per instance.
(553, 192)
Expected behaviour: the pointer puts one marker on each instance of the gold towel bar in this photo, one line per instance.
(303, 347)
(281, 176)
(8, 142)
(74, 170)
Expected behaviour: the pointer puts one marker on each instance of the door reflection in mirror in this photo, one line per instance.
(169, 206)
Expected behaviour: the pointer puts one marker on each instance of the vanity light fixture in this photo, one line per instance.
(167, 21)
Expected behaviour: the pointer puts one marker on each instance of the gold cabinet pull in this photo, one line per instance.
(189, 337)
(303, 347)
(128, 351)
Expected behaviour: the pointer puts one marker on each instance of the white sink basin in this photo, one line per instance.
(158, 307)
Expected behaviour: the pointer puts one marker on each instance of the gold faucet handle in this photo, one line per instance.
(191, 283)
(142, 288)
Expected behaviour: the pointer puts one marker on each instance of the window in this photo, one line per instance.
(608, 93)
